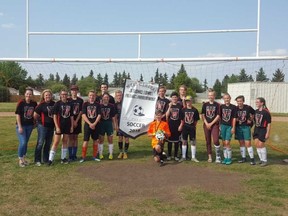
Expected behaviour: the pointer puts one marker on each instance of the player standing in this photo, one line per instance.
(262, 128)
(162, 103)
(211, 115)
(104, 89)
(190, 118)
(244, 121)
(91, 116)
(24, 124)
(227, 127)
(44, 116)
(76, 103)
(63, 120)
(108, 119)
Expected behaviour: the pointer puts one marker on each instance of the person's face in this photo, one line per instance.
(28, 95)
(64, 96)
(211, 96)
(91, 96)
(158, 117)
(105, 99)
(74, 92)
(226, 99)
(104, 88)
(258, 103)
(161, 92)
(118, 97)
(188, 103)
(174, 99)
(47, 96)
(182, 91)
(240, 102)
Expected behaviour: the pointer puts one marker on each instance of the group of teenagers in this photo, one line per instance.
(177, 118)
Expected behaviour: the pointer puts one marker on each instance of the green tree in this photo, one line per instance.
(243, 77)
(261, 76)
(74, 79)
(182, 70)
(217, 88)
(57, 87)
(165, 79)
(51, 77)
(157, 77)
(278, 76)
(66, 80)
(171, 82)
(99, 80)
(205, 84)
(128, 76)
(196, 85)
(40, 80)
(57, 77)
(141, 77)
(29, 82)
(86, 84)
(115, 81)
(4, 94)
(106, 78)
(251, 78)
(91, 74)
(12, 74)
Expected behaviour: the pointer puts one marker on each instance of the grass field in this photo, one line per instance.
(138, 186)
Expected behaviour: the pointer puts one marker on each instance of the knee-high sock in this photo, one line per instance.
(250, 152)
(126, 147)
(229, 153)
(184, 149)
(225, 152)
(120, 145)
(63, 153)
(95, 150)
(169, 149)
(100, 148)
(217, 151)
(259, 153)
(84, 152)
(264, 154)
(243, 152)
(110, 146)
(52, 155)
(193, 151)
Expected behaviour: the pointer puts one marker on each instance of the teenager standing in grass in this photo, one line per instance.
(244, 121)
(227, 127)
(104, 89)
(211, 115)
(91, 116)
(108, 120)
(162, 103)
(24, 124)
(76, 103)
(44, 116)
(262, 128)
(63, 120)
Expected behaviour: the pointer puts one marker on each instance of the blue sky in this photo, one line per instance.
(129, 15)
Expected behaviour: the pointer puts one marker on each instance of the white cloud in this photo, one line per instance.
(1, 14)
(8, 25)
(216, 55)
(276, 52)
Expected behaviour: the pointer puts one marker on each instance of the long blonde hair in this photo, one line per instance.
(42, 94)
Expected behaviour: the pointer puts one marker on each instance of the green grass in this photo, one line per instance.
(61, 190)
(7, 107)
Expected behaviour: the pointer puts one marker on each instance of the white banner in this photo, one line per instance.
(138, 107)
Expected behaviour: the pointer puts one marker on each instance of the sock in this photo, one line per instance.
(259, 153)
(95, 150)
(120, 145)
(250, 152)
(126, 147)
(217, 150)
(110, 146)
(63, 153)
(176, 148)
(84, 152)
(229, 153)
(100, 149)
(75, 151)
(264, 154)
(243, 152)
(184, 149)
(193, 151)
(70, 150)
(225, 153)
(52, 155)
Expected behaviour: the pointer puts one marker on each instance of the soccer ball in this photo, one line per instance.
(138, 110)
(160, 135)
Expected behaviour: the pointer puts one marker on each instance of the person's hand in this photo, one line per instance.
(75, 124)
(20, 130)
(58, 131)
(232, 130)
(92, 126)
(71, 130)
(267, 136)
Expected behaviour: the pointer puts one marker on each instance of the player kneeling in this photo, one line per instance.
(158, 130)
(91, 116)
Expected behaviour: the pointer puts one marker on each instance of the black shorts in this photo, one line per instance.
(260, 133)
(78, 129)
(88, 132)
(120, 133)
(188, 131)
(65, 129)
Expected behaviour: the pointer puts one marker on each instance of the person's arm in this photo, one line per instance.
(267, 135)
(168, 111)
(18, 120)
(233, 125)
(84, 116)
(77, 119)
(97, 120)
(71, 128)
(181, 126)
(57, 126)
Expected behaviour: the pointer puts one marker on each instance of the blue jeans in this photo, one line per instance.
(23, 139)
(44, 140)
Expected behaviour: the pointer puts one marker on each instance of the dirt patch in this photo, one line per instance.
(280, 118)
(3, 114)
(134, 181)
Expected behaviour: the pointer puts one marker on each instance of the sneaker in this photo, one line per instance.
(224, 161)
(182, 159)
(176, 159)
(168, 158)
(21, 164)
(228, 161)
(125, 156)
(260, 162)
(26, 163)
(263, 164)
(209, 160)
(101, 157)
(64, 161)
(96, 159)
(110, 157)
(252, 162)
(120, 156)
(285, 160)
(161, 163)
(195, 160)
(242, 160)
(82, 160)
(218, 160)
(49, 163)
(38, 164)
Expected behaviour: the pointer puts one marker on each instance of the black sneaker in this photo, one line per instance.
(161, 163)
(263, 164)
(49, 163)
(64, 161)
(252, 162)
(242, 160)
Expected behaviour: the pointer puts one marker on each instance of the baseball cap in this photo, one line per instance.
(188, 98)
(74, 87)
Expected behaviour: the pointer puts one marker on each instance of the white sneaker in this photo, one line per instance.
(195, 160)
(38, 164)
(218, 160)
(96, 159)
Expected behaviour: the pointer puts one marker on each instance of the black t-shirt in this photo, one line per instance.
(227, 114)
(111, 99)
(76, 106)
(26, 112)
(91, 110)
(175, 115)
(190, 117)
(162, 104)
(63, 112)
(45, 111)
(118, 108)
(107, 112)
(210, 111)
(244, 114)
(262, 118)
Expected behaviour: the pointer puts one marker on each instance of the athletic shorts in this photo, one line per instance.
(106, 127)
(226, 132)
(260, 133)
(78, 129)
(188, 131)
(88, 132)
(243, 132)
(120, 133)
(65, 129)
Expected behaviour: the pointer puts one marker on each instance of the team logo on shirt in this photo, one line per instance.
(160, 105)
(189, 117)
(65, 111)
(258, 119)
(105, 113)
(226, 114)
(91, 112)
(49, 111)
(76, 107)
(28, 112)
(174, 114)
(241, 116)
(210, 111)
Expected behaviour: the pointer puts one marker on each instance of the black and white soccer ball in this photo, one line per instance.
(138, 110)
(160, 135)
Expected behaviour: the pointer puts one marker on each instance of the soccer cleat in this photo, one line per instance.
(168, 158)
(263, 164)
(101, 157)
(260, 162)
(64, 161)
(252, 162)
(125, 156)
(110, 157)
(242, 160)
(224, 161)
(96, 159)
(120, 156)
(181, 160)
(218, 160)
(176, 159)
(228, 161)
(49, 163)
(161, 163)
(195, 160)
(38, 164)
(82, 160)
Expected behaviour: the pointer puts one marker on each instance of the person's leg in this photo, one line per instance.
(126, 147)
(47, 145)
(169, 150)
(65, 139)
(215, 136)
(207, 134)
(52, 153)
(120, 146)
(40, 142)
(28, 131)
(21, 138)
(101, 146)
(110, 146)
